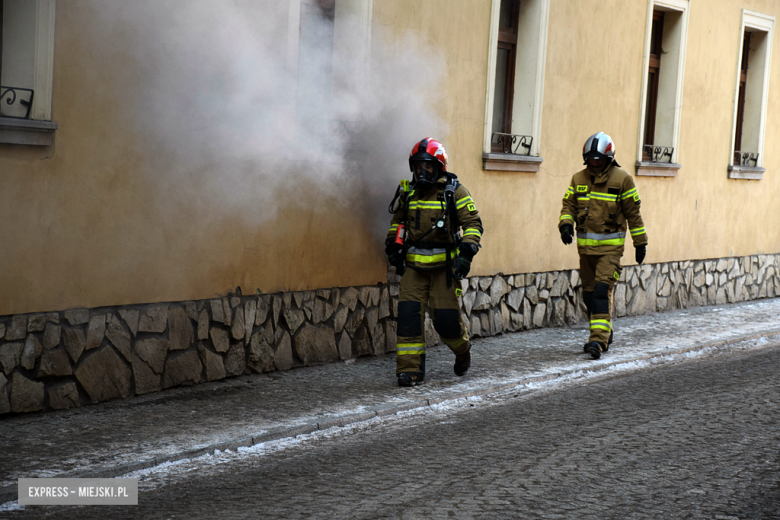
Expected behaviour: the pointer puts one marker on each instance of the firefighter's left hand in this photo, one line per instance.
(462, 266)
(641, 251)
(567, 233)
(391, 248)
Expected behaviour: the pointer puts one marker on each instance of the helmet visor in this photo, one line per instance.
(425, 172)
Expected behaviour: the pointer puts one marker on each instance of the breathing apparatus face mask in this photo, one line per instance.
(425, 172)
(598, 163)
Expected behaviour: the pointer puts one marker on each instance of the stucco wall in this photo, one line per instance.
(593, 82)
(86, 223)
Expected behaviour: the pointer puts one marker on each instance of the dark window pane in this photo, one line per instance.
(656, 34)
(649, 112)
(745, 52)
(741, 97)
(500, 94)
(505, 15)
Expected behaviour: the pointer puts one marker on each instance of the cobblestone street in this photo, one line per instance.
(699, 439)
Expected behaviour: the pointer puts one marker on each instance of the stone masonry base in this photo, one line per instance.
(60, 360)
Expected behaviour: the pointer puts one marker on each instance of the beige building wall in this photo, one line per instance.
(83, 226)
(593, 83)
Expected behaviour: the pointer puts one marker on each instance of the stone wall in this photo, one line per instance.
(60, 360)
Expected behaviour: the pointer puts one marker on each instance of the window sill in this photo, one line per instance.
(654, 169)
(27, 131)
(746, 172)
(509, 162)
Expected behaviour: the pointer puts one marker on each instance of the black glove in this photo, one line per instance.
(567, 232)
(462, 267)
(395, 254)
(641, 251)
(391, 247)
(462, 264)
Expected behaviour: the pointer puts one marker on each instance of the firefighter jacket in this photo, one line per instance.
(421, 210)
(603, 206)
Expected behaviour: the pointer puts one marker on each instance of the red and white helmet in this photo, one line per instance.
(599, 146)
(428, 149)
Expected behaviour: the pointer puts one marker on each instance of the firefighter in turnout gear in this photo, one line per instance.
(602, 203)
(425, 245)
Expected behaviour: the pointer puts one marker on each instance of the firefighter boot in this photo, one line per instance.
(413, 378)
(462, 363)
(410, 379)
(594, 348)
(603, 348)
(611, 334)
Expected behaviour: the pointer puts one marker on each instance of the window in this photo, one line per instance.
(315, 60)
(741, 96)
(751, 92)
(513, 112)
(329, 46)
(653, 69)
(662, 87)
(26, 70)
(505, 70)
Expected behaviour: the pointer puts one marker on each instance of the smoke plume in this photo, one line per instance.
(237, 120)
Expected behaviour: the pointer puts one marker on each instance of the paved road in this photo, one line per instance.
(112, 438)
(699, 439)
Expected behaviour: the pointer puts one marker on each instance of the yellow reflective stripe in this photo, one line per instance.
(564, 217)
(428, 259)
(593, 242)
(394, 227)
(454, 342)
(600, 324)
(603, 196)
(570, 190)
(462, 202)
(472, 231)
(630, 193)
(409, 349)
(637, 231)
(584, 197)
(426, 204)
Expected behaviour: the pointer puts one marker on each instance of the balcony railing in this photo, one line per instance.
(745, 159)
(512, 143)
(658, 154)
(16, 102)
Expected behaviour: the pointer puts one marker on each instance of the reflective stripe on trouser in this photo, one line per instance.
(600, 327)
(599, 274)
(421, 290)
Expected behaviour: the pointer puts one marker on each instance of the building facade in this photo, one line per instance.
(191, 193)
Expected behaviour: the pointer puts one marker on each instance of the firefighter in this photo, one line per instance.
(425, 246)
(602, 202)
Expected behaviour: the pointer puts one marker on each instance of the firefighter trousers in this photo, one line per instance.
(599, 275)
(421, 289)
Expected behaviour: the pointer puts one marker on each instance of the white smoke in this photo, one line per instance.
(237, 123)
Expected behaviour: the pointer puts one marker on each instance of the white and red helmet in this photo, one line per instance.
(428, 150)
(599, 146)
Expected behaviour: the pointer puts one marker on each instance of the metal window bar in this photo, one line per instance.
(745, 158)
(512, 143)
(659, 154)
(12, 96)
